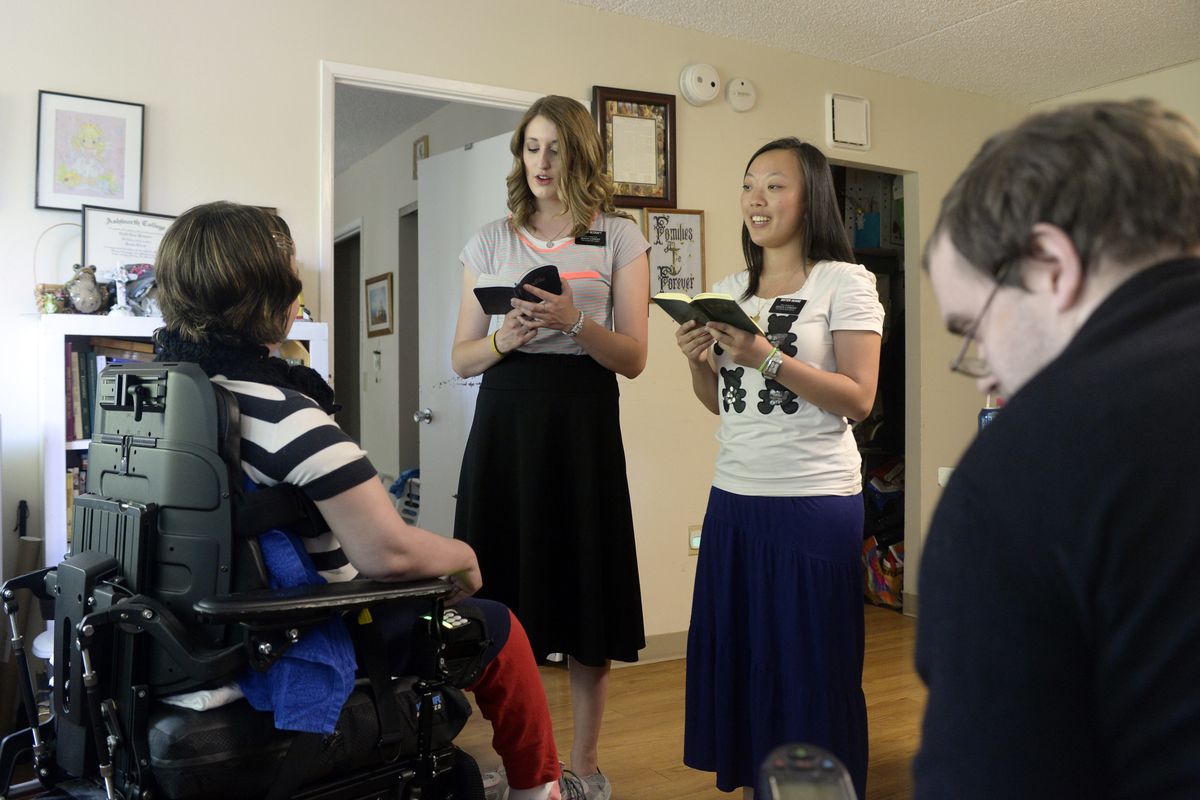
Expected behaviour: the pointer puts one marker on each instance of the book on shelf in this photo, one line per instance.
(69, 387)
(122, 355)
(123, 344)
(705, 307)
(496, 294)
(84, 363)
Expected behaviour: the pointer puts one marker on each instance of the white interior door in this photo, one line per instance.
(457, 193)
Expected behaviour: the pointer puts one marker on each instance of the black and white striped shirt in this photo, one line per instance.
(287, 438)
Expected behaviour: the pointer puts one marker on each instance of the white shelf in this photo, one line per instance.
(54, 329)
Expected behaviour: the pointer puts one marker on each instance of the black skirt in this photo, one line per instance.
(544, 500)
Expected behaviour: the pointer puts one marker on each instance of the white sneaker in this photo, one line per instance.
(495, 785)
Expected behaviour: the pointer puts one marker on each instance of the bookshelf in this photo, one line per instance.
(55, 331)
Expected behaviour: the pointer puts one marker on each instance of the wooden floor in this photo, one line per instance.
(642, 741)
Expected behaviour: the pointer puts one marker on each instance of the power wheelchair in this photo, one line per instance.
(165, 590)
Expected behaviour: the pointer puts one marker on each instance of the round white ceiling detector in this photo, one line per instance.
(740, 94)
(699, 83)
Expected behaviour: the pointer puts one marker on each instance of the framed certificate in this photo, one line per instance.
(114, 238)
(637, 133)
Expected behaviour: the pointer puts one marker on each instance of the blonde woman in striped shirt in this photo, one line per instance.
(543, 496)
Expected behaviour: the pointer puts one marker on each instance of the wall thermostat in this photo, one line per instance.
(740, 94)
(699, 83)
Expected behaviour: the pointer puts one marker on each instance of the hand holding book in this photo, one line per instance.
(705, 307)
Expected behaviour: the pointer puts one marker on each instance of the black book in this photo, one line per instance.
(706, 307)
(496, 294)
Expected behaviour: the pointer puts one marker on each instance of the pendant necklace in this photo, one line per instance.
(550, 242)
(762, 302)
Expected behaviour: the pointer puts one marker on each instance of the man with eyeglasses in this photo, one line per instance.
(1058, 630)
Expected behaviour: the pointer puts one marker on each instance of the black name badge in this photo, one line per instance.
(593, 238)
(787, 305)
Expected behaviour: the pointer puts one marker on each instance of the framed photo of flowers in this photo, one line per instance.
(637, 132)
(89, 152)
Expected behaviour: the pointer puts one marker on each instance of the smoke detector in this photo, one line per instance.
(699, 83)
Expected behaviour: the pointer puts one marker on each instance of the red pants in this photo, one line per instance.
(510, 696)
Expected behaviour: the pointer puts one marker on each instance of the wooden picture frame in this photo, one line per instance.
(420, 151)
(676, 237)
(89, 152)
(637, 134)
(379, 304)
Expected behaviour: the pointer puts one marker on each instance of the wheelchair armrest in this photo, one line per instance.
(272, 607)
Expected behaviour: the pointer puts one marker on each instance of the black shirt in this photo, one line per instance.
(1059, 632)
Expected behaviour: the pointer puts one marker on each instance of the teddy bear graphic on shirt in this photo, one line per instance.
(775, 394)
(732, 394)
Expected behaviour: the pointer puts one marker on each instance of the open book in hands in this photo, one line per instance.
(705, 307)
(496, 294)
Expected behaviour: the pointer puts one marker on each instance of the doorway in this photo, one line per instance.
(872, 205)
(379, 186)
(409, 328)
(347, 277)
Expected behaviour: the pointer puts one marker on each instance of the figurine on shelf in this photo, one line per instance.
(87, 296)
(133, 287)
(120, 278)
(51, 298)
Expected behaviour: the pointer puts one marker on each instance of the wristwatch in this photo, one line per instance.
(771, 365)
(574, 330)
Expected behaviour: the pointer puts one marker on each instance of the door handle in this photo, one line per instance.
(424, 415)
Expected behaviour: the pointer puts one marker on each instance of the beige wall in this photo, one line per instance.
(1177, 87)
(232, 96)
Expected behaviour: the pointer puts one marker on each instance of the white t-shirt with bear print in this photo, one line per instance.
(772, 442)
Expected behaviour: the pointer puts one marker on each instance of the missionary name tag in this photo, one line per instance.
(593, 238)
(789, 306)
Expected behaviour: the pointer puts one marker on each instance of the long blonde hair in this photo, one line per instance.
(584, 186)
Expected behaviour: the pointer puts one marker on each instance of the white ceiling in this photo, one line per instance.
(1016, 50)
(1022, 51)
(367, 119)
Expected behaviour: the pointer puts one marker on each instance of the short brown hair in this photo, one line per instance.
(1121, 179)
(225, 272)
(585, 185)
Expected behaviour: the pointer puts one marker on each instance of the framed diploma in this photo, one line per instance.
(637, 134)
(114, 238)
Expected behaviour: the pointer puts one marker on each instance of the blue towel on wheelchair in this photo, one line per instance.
(307, 687)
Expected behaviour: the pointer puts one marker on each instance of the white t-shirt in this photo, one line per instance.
(772, 442)
(611, 243)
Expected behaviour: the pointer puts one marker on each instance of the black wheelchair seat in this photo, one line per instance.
(165, 591)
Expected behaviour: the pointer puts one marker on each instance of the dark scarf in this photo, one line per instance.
(242, 361)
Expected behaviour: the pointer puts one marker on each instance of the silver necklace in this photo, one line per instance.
(550, 242)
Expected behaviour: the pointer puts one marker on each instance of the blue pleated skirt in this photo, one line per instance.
(775, 648)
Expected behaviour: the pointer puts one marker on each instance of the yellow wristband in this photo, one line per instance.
(763, 365)
(494, 347)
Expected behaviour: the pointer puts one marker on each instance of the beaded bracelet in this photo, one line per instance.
(770, 355)
(499, 352)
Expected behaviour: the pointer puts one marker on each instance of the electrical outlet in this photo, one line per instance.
(694, 539)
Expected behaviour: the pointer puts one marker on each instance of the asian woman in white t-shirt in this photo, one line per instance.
(777, 612)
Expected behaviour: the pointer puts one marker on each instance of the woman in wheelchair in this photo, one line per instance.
(228, 289)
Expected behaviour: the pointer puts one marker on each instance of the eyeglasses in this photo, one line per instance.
(966, 362)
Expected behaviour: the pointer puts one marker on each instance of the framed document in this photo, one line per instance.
(637, 133)
(114, 238)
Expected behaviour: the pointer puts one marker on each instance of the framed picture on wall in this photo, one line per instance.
(637, 132)
(379, 305)
(676, 237)
(420, 151)
(89, 152)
